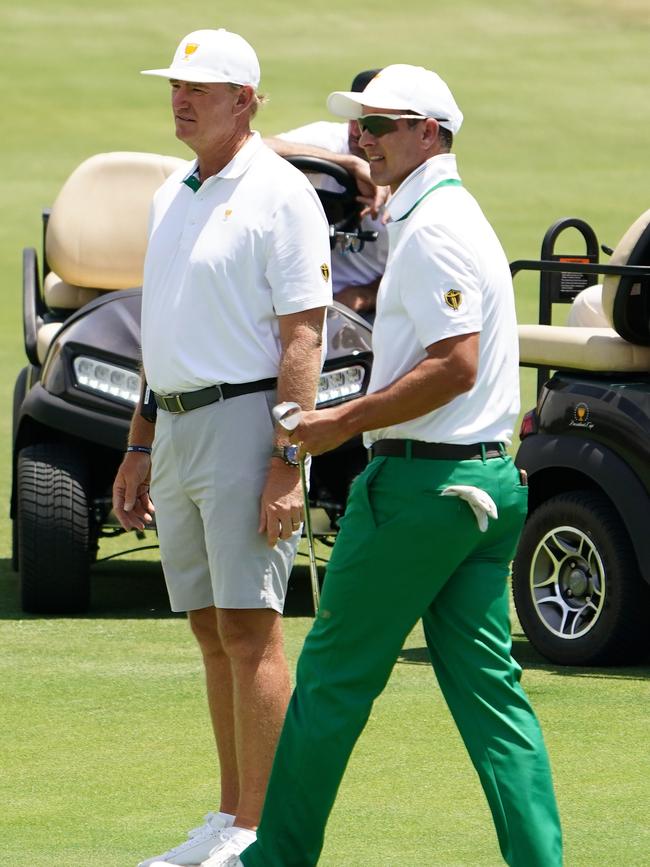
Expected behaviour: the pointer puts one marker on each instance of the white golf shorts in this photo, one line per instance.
(209, 466)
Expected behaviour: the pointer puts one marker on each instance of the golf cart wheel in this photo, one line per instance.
(20, 390)
(53, 529)
(575, 581)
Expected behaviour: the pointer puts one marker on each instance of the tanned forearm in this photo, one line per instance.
(448, 371)
(141, 431)
(300, 363)
(417, 393)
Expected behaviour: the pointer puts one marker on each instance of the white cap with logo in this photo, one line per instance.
(403, 87)
(208, 56)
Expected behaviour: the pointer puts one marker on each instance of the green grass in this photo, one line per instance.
(107, 754)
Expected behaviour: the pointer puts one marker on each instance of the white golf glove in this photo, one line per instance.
(479, 502)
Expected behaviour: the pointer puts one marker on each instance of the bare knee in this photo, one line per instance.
(250, 636)
(203, 623)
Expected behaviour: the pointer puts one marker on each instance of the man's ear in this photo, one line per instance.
(245, 97)
(430, 129)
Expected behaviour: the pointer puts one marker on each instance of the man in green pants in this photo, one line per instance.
(432, 523)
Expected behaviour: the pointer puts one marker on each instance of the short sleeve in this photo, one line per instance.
(298, 254)
(440, 286)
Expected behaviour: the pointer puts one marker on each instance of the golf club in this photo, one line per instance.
(287, 415)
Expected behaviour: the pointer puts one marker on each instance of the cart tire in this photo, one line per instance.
(15, 558)
(576, 585)
(20, 389)
(53, 529)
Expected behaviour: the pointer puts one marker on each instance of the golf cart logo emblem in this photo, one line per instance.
(190, 48)
(453, 298)
(325, 271)
(581, 417)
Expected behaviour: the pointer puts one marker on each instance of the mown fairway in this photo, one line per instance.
(107, 755)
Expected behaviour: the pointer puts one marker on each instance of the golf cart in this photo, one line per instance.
(582, 569)
(74, 398)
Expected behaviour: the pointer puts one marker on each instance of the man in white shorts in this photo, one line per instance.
(236, 284)
(355, 275)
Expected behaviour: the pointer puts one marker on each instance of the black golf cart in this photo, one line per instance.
(75, 396)
(582, 570)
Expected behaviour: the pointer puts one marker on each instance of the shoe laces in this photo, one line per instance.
(228, 843)
(204, 829)
(195, 835)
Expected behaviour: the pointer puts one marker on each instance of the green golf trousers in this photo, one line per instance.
(405, 552)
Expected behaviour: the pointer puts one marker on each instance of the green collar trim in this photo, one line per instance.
(449, 182)
(192, 181)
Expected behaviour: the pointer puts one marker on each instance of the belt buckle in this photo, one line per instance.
(174, 404)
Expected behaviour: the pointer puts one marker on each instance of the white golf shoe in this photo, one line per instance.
(232, 842)
(200, 842)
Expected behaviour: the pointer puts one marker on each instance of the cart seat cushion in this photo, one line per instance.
(59, 295)
(45, 336)
(624, 304)
(587, 308)
(580, 348)
(97, 231)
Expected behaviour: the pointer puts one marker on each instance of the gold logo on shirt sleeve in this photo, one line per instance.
(453, 298)
(325, 271)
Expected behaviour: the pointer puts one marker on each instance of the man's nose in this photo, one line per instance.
(179, 96)
(365, 138)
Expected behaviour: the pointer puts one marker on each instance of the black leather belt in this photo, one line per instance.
(436, 451)
(194, 399)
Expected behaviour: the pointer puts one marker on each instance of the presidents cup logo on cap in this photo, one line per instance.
(213, 57)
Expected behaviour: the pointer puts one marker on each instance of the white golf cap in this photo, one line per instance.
(213, 56)
(405, 88)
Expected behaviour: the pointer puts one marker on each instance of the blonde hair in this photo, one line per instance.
(259, 99)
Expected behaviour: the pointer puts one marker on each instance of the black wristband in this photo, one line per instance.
(146, 450)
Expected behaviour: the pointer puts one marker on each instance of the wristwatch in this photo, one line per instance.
(289, 454)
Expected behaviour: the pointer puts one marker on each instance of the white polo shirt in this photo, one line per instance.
(447, 275)
(348, 268)
(223, 262)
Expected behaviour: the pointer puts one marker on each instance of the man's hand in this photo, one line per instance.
(282, 506)
(131, 504)
(319, 431)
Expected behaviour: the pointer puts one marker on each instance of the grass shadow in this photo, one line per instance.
(131, 589)
(528, 658)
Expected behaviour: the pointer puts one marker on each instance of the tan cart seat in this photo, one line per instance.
(600, 349)
(580, 348)
(97, 231)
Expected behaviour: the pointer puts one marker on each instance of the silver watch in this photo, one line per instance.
(289, 454)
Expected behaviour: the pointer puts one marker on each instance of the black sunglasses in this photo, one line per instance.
(380, 124)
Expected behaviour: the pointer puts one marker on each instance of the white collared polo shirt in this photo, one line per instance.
(224, 260)
(349, 267)
(447, 275)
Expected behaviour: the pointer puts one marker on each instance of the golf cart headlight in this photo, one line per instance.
(340, 384)
(106, 379)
